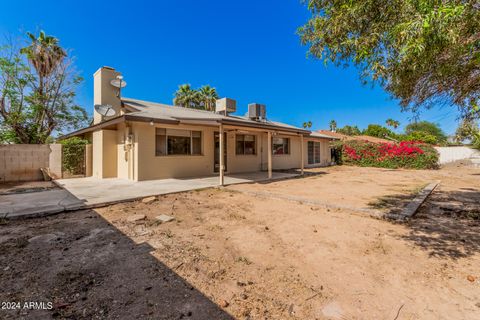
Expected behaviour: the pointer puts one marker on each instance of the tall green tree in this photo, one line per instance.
(427, 127)
(37, 91)
(186, 97)
(468, 130)
(44, 53)
(375, 130)
(333, 125)
(208, 96)
(465, 130)
(392, 123)
(423, 52)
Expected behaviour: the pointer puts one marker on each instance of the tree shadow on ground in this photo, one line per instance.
(394, 203)
(448, 224)
(91, 270)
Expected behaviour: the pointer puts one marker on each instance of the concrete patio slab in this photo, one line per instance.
(35, 204)
(81, 193)
(98, 192)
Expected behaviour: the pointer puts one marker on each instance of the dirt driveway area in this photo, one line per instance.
(234, 253)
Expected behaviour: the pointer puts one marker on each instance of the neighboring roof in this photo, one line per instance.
(342, 136)
(317, 134)
(332, 134)
(151, 110)
(371, 139)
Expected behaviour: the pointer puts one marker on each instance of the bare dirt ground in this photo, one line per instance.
(234, 255)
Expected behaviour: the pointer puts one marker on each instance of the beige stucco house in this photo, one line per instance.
(146, 140)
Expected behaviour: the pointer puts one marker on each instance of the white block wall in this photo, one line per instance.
(451, 154)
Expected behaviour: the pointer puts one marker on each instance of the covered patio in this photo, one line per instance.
(95, 192)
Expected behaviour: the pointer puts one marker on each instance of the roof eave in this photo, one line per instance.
(131, 117)
(263, 126)
(94, 127)
(119, 119)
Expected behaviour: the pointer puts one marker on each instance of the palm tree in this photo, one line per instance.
(333, 125)
(307, 124)
(392, 123)
(186, 97)
(44, 53)
(208, 97)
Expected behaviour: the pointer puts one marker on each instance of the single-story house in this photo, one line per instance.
(141, 140)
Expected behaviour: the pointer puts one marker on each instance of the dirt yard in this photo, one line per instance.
(258, 251)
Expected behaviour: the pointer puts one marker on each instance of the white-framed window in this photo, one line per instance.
(281, 146)
(177, 142)
(245, 144)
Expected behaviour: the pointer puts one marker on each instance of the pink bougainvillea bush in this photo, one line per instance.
(406, 154)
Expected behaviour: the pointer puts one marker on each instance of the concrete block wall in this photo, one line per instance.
(22, 162)
(451, 154)
(55, 161)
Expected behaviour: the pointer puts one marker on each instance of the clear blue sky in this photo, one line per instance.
(247, 49)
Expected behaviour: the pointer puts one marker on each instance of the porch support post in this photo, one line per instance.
(269, 152)
(302, 150)
(221, 156)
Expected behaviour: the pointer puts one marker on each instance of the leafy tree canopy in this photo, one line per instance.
(428, 128)
(419, 136)
(375, 130)
(349, 130)
(468, 130)
(421, 51)
(37, 91)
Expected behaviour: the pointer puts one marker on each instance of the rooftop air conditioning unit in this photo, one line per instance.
(225, 106)
(257, 111)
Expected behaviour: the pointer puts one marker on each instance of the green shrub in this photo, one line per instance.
(73, 152)
(406, 154)
(337, 148)
(420, 136)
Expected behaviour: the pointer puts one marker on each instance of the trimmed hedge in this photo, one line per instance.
(406, 154)
(74, 155)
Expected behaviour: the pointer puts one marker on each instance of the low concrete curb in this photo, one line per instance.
(412, 208)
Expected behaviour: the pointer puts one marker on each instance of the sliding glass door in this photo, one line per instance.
(313, 152)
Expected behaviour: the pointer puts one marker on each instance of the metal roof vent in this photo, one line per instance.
(257, 111)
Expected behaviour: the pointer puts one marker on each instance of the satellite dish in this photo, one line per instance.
(119, 82)
(105, 110)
